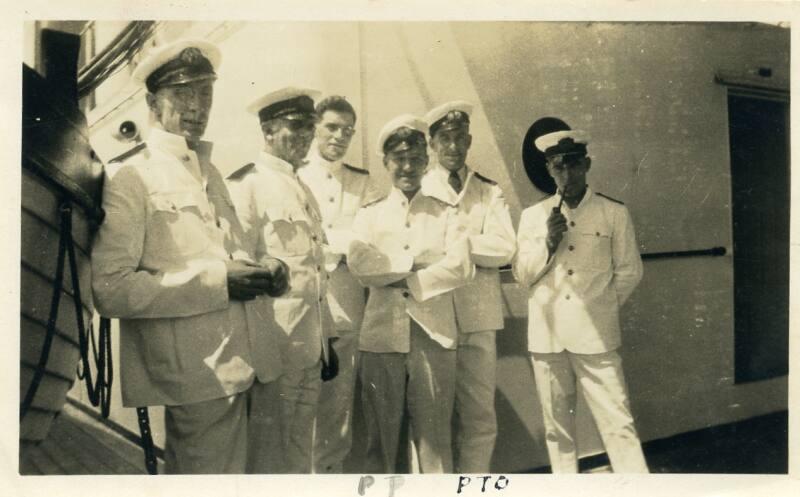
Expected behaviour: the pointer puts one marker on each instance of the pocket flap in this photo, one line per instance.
(287, 213)
(173, 201)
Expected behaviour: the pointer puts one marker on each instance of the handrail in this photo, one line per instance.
(712, 252)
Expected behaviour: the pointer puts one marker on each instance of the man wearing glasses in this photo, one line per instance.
(578, 257)
(339, 189)
(281, 218)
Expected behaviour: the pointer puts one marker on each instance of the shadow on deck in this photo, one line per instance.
(80, 444)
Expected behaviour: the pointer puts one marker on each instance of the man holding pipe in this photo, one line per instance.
(578, 257)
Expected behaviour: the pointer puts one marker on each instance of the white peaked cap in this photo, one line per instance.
(550, 140)
(443, 110)
(287, 94)
(165, 53)
(401, 121)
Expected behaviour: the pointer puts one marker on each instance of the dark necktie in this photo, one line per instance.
(455, 181)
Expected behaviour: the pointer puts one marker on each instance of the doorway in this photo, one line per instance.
(759, 146)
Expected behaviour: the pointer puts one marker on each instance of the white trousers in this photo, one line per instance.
(476, 379)
(423, 380)
(208, 437)
(333, 435)
(281, 431)
(603, 384)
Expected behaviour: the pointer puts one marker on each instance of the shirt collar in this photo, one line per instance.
(586, 196)
(316, 159)
(275, 163)
(397, 196)
(445, 173)
(175, 145)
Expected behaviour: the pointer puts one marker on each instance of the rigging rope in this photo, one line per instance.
(44, 355)
(99, 390)
(114, 56)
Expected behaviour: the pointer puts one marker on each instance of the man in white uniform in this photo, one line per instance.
(579, 259)
(409, 251)
(167, 261)
(339, 189)
(484, 217)
(280, 217)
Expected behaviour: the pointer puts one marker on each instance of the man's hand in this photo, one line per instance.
(279, 276)
(246, 280)
(556, 226)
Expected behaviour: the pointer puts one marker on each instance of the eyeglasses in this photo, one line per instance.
(300, 124)
(347, 131)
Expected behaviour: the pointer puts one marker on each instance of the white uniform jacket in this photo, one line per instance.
(392, 235)
(575, 296)
(158, 264)
(281, 219)
(340, 189)
(483, 215)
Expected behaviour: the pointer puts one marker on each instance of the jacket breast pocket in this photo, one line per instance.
(176, 225)
(594, 248)
(288, 232)
(475, 218)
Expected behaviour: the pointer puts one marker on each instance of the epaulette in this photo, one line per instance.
(129, 153)
(356, 169)
(241, 171)
(485, 179)
(611, 199)
(373, 200)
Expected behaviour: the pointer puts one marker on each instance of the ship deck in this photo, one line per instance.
(79, 443)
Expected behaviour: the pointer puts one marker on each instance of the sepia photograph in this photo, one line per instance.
(367, 251)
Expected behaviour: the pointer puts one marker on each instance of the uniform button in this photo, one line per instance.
(319, 267)
(567, 297)
(314, 238)
(330, 176)
(331, 199)
(406, 247)
(408, 225)
(330, 226)
(571, 247)
(572, 223)
(597, 234)
(405, 294)
(231, 256)
(185, 158)
(320, 300)
(570, 272)
(219, 224)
